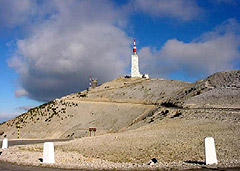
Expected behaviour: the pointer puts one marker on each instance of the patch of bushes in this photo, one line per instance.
(177, 114)
(169, 104)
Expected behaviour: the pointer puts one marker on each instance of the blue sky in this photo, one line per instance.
(48, 49)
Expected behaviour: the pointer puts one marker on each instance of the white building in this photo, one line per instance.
(134, 67)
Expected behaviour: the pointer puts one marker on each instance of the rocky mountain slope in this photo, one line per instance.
(136, 120)
(220, 90)
(124, 103)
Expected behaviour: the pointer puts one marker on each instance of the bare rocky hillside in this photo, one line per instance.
(137, 120)
(122, 104)
(110, 107)
(133, 90)
(220, 90)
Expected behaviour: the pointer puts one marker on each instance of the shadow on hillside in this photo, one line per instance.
(195, 162)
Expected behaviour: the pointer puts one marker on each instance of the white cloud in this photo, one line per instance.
(24, 108)
(74, 39)
(214, 51)
(21, 93)
(79, 39)
(8, 116)
(15, 12)
(4, 116)
(181, 9)
(11, 114)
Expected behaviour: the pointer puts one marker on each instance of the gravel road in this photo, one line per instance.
(26, 142)
(13, 167)
(4, 166)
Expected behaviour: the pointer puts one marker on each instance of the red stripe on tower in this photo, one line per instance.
(134, 46)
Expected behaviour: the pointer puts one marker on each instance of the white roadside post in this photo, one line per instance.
(210, 151)
(48, 152)
(5, 143)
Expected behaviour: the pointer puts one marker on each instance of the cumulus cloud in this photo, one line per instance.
(72, 40)
(181, 9)
(79, 39)
(213, 51)
(15, 12)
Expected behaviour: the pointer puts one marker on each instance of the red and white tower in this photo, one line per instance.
(134, 47)
(134, 67)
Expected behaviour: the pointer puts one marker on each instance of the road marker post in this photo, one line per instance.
(5, 143)
(210, 151)
(48, 152)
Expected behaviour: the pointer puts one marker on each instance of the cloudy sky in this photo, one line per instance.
(49, 49)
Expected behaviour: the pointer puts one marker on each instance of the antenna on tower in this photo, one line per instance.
(90, 81)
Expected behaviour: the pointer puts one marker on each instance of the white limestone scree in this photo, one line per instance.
(5, 143)
(210, 151)
(48, 152)
(134, 63)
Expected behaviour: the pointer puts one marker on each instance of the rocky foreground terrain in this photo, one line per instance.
(137, 120)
